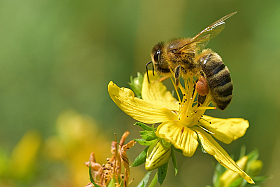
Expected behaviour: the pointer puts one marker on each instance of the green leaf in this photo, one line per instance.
(260, 178)
(253, 155)
(112, 183)
(148, 135)
(162, 170)
(144, 126)
(141, 158)
(242, 151)
(144, 142)
(145, 180)
(174, 161)
(236, 183)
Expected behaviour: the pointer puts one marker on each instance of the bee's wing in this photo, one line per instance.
(202, 38)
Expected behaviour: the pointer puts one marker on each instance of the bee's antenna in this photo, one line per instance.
(147, 70)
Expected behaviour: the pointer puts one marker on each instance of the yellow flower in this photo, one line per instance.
(76, 136)
(182, 122)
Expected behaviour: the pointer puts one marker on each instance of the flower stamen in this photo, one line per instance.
(176, 90)
(206, 130)
(205, 108)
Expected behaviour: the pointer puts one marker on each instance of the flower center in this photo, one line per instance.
(191, 110)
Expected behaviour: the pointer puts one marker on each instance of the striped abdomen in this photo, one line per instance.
(218, 78)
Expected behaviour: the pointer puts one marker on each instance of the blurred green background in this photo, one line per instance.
(60, 55)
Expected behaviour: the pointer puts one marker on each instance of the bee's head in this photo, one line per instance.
(158, 55)
(159, 60)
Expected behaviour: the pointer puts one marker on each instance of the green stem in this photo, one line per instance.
(154, 181)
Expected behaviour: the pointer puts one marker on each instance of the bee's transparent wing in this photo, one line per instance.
(202, 38)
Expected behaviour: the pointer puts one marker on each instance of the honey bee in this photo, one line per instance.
(181, 56)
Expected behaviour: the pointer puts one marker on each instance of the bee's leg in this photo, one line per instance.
(194, 87)
(163, 78)
(148, 70)
(177, 75)
(201, 99)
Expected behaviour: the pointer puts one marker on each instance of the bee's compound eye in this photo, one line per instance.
(157, 55)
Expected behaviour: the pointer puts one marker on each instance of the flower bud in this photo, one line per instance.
(158, 154)
(136, 84)
(255, 167)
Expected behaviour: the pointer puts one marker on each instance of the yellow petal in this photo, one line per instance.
(137, 108)
(229, 176)
(179, 136)
(225, 130)
(156, 92)
(213, 148)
